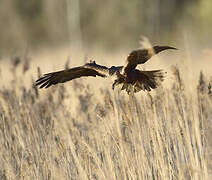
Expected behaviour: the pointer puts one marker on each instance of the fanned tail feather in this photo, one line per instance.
(147, 81)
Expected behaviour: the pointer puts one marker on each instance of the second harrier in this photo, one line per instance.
(131, 78)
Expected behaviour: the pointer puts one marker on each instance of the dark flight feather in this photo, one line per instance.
(53, 78)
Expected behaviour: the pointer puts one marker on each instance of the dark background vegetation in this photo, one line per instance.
(107, 24)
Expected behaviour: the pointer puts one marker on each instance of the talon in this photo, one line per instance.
(113, 86)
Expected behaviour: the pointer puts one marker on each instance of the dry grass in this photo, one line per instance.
(75, 132)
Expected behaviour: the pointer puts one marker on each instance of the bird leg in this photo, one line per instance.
(117, 82)
(114, 84)
(120, 79)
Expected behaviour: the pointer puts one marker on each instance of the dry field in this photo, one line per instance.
(84, 130)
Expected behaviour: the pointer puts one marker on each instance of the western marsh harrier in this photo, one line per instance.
(131, 78)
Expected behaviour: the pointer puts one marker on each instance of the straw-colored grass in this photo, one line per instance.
(77, 131)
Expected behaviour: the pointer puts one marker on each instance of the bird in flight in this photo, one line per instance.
(132, 79)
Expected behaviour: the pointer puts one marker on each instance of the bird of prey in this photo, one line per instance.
(132, 79)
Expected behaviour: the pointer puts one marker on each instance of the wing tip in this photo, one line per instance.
(43, 82)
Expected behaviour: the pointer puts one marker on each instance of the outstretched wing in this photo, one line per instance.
(66, 75)
(140, 56)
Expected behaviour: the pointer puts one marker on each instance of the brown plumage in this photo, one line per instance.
(131, 78)
(141, 56)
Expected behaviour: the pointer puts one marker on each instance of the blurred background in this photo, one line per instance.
(109, 25)
(52, 33)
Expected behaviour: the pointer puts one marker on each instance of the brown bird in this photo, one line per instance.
(131, 78)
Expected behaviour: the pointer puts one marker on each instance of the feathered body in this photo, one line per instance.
(131, 78)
